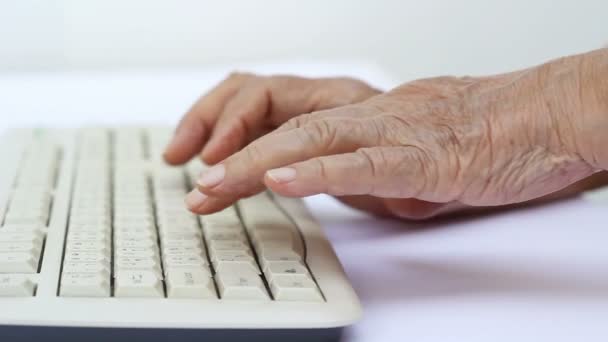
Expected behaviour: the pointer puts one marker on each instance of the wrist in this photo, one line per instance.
(572, 98)
(591, 121)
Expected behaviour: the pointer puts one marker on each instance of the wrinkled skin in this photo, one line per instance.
(425, 148)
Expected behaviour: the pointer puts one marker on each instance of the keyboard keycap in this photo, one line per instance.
(138, 284)
(190, 283)
(16, 285)
(245, 286)
(20, 228)
(85, 285)
(34, 237)
(295, 289)
(285, 269)
(101, 267)
(245, 260)
(18, 262)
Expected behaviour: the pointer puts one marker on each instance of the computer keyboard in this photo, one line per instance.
(95, 241)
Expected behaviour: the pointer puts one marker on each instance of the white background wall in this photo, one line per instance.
(412, 38)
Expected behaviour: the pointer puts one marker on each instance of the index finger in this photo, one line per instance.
(242, 173)
(194, 129)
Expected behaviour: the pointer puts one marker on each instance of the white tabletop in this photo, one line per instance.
(538, 274)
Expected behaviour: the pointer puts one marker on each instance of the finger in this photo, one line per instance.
(199, 203)
(188, 139)
(269, 102)
(242, 115)
(296, 95)
(358, 111)
(393, 172)
(194, 128)
(242, 172)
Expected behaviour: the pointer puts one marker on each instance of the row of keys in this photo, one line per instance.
(276, 244)
(130, 234)
(137, 264)
(187, 270)
(279, 248)
(24, 223)
(86, 267)
(23, 228)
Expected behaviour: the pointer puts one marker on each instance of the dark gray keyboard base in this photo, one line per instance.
(68, 334)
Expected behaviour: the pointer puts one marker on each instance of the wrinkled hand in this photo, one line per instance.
(455, 141)
(245, 106)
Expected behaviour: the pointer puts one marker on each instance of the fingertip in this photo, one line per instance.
(211, 205)
(186, 142)
(169, 160)
(194, 200)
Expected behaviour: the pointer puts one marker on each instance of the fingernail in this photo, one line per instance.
(212, 176)
(195, 199)
(282, 175)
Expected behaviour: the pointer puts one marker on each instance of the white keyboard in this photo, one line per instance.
(95, 239)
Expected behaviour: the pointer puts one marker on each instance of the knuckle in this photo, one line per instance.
(328, 178)
(318, 132)
(427, 172)
(295, 122)
(253, 153)
(372, 159)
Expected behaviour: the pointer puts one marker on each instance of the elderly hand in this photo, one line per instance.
(444, 142)
(245, 106)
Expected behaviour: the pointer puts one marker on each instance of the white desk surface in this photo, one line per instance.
(538, 274)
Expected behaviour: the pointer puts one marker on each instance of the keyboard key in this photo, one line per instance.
(180, 236)
(85, 285)
(135, 242)
(100, 236)
(32, 247)
(289, 269)
(100, 267)
(228, 245)
(143, 264)
(34, 237)
(96, 256)
(16, 285)
(244, 259)
(295, 289)
(190, 283)
(180, 261)
(88, 245)
(182, 243)
(25, 218)
(19, 262)
(232, 236)
(134, 283)
(136, 252)
(269, 256)
(246, 286)
(20, 228)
